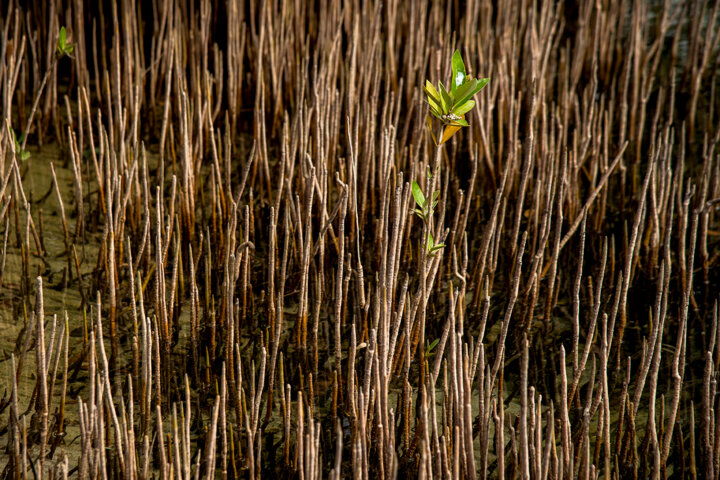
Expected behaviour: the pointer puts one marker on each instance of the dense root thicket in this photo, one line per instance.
(211, 268)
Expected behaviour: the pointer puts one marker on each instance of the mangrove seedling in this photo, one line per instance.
(431, 247)
(450, 108)
(24, 154)
(63, 47)
(429, 347)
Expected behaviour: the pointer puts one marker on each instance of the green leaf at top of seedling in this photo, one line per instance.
(465, 92)
(469, 89)
(435, 196)
(433, 99)
(458, 71)
(434, 109)
(431, 91)
(418, 195)
(463, 108)
(62, 38)
(481, 84)
(447, 101)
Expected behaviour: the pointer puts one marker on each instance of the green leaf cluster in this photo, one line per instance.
(24, 154)
(429, 347)
(451, 106)
(63, 47)
(431, 247)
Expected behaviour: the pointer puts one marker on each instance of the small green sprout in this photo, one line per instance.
(429, 348)
(431, 247)
(63, 46)
(24, 154)
(451, 106)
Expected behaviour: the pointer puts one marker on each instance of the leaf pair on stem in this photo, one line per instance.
(63, 47)
(24, 154)
(424, 208)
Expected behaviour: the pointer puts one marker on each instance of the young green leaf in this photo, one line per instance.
(465, 92)
(418, 195)
(447, 101)
(431, 91)
(433, 97)
(434, 109)
(437, 247)
(431, 247)
(463, 108)
(17, 141)
(63, 46)
(458, 71)
(481, 84)
(433, 344)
